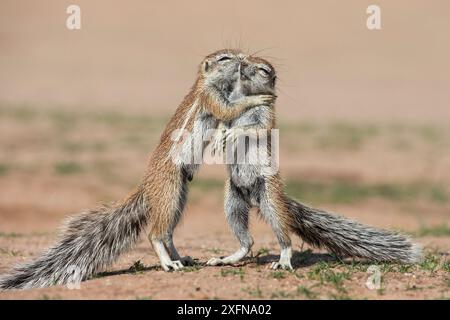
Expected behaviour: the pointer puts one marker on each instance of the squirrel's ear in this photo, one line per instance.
(206, 66)
(274, 80)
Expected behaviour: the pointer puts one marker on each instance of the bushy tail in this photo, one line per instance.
(90, 242)
(345, 237)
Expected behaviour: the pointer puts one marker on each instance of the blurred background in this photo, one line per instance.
(363, 115)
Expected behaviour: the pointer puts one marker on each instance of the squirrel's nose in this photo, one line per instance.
(242, 69)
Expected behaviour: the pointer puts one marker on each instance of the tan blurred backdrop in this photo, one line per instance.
(142, 55)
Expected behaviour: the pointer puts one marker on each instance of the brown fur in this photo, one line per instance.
(163, 180)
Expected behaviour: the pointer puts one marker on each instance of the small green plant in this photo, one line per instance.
(280, 295)
(256, 292)
(405, 268)
(387, 267)
(13, 253)
(446, 266)
(233, 272)
(262, 252)
(317, 269)
(193, 268)
(356, 266)
(430, 263)
(307, 292)
(325, 274)
(137, 267)
(340, 296)
(47, 297)
(278, 275)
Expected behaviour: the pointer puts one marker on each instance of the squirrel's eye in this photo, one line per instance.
(263, 72)
(224, 58)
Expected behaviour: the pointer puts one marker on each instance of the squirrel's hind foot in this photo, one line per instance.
(172, 265)
(281, 265)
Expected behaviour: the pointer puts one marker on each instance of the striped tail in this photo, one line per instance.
(90, 242)
(345, 237)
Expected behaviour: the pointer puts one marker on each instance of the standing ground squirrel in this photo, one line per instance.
(253, 182)
(93, 240)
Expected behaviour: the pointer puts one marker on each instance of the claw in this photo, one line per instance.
(261, 99)
(268, 98)
(281, 265)
(172, 265)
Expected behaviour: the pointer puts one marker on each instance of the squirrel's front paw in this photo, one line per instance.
(218, 144)
(214, 262)
(263, 99)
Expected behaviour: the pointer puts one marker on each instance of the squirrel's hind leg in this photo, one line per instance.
(167, 208)
(166, 262)
(237, 211)
(168, 239)
(274, 212)
(173, 253)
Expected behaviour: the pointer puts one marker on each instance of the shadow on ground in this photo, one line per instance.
(299, 259)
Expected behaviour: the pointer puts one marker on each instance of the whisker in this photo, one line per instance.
(287, 95)
(261, 50)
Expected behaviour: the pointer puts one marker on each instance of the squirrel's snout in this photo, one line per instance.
(244, 70)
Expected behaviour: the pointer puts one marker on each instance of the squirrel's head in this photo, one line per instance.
(235, 73)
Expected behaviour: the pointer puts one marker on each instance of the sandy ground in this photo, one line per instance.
(52, 168)
(364, 131)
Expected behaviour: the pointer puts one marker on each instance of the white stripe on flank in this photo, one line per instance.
(188, 116)
(173, 151)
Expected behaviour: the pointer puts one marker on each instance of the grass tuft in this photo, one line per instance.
(137, 267)
(430, 263)
(262, 252)
(324, 273)
(256, 292)
(224, 272)
(278, 275)
(13, 253)
(280, 295)
(307, 292)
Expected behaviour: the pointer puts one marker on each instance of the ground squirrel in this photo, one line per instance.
(93, 240)
(238, 91)
(251, 184)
